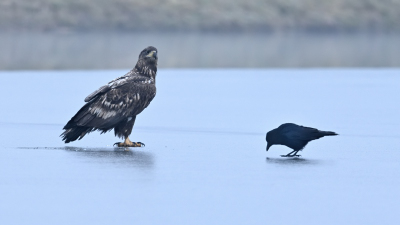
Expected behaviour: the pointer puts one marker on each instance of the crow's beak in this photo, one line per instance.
(268, 146)
(152, 54)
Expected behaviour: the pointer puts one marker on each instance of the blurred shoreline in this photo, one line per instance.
(200, 15)
(104, 34)
(119, 50)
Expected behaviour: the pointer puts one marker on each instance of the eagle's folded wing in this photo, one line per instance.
(99, 91)
(108, 109)
(111, 85)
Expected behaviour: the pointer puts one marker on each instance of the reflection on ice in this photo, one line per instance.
(121, 156)
(94, 149)
(295, 161)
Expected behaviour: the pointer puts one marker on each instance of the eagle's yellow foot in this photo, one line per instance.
(129, 143)
(132, 144)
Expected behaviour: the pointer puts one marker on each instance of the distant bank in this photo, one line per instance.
(200, 15)
(120, 50)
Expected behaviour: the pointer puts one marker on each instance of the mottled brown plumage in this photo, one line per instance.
(115, 105)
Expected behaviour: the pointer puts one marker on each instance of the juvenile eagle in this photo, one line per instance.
(115, 105)
(294, 136)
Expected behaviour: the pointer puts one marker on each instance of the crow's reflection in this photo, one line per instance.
(291, 161)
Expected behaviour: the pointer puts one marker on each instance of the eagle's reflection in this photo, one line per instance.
(117, 156)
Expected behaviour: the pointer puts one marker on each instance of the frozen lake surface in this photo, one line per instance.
(205, 160)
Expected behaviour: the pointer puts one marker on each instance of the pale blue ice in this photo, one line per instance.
(205, 160)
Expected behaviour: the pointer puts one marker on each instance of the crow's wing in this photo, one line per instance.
(297, 137)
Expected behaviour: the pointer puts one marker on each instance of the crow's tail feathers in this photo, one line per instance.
(73, 133)
(328, 133)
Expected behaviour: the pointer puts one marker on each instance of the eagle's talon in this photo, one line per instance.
(131, 144)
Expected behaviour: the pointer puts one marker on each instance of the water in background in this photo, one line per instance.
(192, 50)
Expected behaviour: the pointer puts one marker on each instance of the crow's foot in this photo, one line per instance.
(290, 155)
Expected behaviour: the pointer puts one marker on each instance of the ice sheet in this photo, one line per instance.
(205, 160)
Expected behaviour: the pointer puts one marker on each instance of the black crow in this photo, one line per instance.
(294, 137)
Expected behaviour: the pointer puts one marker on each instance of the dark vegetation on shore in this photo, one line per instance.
(200, 15)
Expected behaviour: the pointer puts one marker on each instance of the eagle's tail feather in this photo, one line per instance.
(74, 133)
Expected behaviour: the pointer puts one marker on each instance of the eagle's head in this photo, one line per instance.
(147, 63)
(149, 55)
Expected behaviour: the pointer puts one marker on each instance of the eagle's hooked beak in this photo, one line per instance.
(152, 54)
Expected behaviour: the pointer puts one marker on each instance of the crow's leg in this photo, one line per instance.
(129, 143)
(295, 154)
(289, 154)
